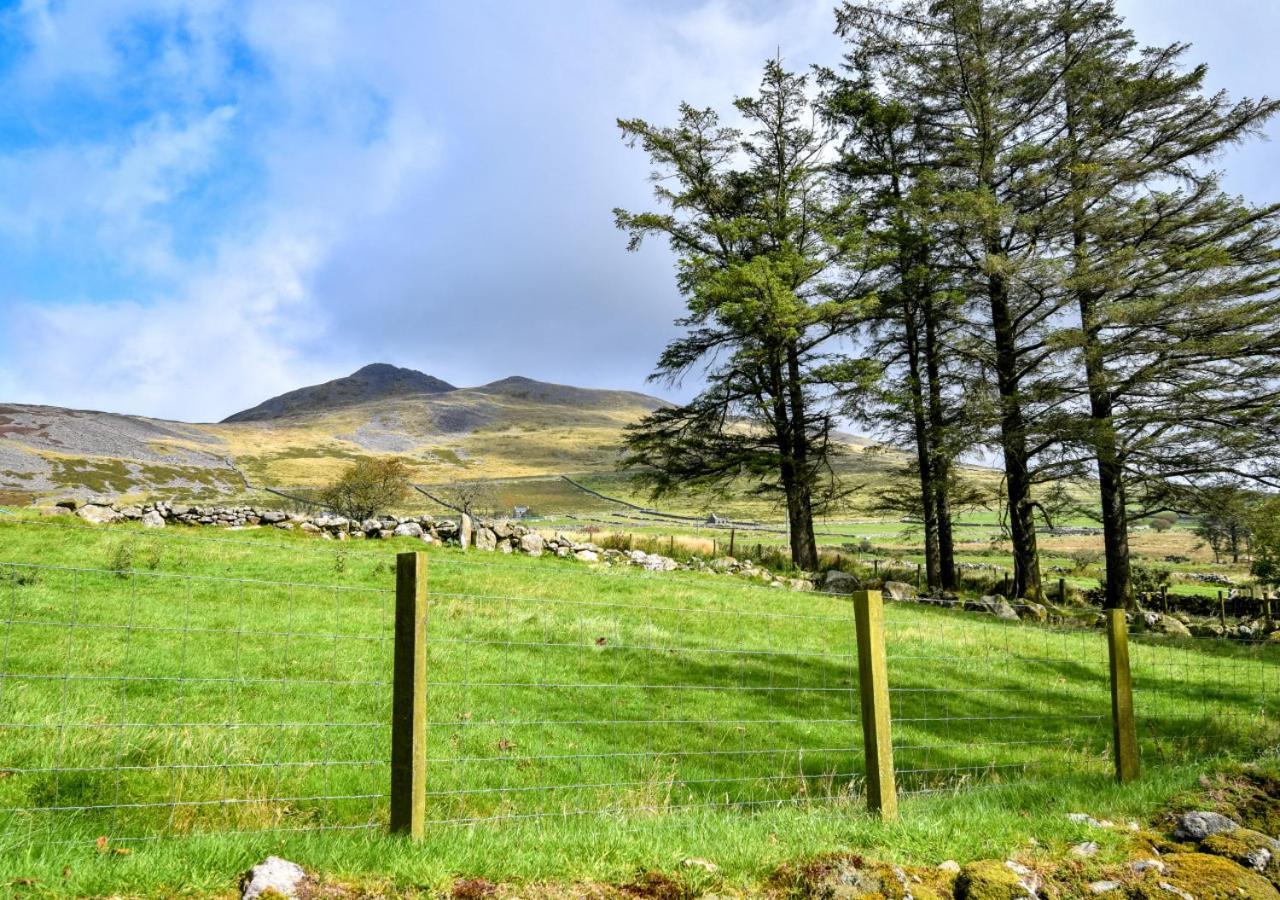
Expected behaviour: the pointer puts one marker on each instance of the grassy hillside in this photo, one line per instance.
(701, 715)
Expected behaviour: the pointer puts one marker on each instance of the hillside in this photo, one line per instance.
(515, 427)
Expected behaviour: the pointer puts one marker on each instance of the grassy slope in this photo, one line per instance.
(1019, 709)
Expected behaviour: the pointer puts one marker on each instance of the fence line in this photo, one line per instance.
(142, 704)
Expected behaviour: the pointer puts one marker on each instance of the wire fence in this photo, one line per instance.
(137, 705)
(546, 706)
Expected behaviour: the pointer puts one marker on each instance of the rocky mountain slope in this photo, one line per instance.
(510, 428)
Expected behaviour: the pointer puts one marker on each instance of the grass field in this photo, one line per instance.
(589, 723)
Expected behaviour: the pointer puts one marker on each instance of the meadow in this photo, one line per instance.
(177, 704)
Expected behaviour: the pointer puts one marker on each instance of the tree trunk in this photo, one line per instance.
(1013, 444)
(924, 455)
(940, 460)
(804, 544)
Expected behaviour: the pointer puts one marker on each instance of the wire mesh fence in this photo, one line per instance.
(145, 704)
(549, 706)
(988, 692)
(138, 705)
(1209, 694)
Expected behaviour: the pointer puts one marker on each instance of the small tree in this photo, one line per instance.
(1265, 523)
(470, 497)
(368, 487)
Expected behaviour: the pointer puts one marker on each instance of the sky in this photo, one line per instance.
(204, 203)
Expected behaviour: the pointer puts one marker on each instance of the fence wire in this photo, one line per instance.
(977, 698)
(138, 705)
(548, 706)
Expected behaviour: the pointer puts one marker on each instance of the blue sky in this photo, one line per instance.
(206, 202)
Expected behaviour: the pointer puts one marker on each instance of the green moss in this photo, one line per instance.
(989, 879)
(103, 476)
(1207, 877)
(1243, 846)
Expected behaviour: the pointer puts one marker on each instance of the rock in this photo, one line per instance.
(70, 503)
(950, 866)
(837, 582)
(989, 879)
(1085, 819)
(705, 865)
(1251, 849)
(152, 519)
(486, 539)
(273, 878)
(1142, 866)
(309, 527)
(1196, 826)
(131, 512)
(274, 516)
(408, 529)
(371, 528)
(1103, 887)
(1205, 877)
(587, 556)
(1162, 624)
(1037, 612)
(465, 528)
(503, 529)
(900, 590)
(1085, 849)
(98, 514)
(532, 544)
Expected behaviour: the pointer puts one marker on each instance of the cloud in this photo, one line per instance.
(207, 202)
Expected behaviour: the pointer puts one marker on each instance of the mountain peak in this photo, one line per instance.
(375, 381)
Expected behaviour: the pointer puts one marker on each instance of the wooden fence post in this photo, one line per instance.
(1124, 728)
(873, 688)
(732, 534)
(1062, 591)
(409, 699)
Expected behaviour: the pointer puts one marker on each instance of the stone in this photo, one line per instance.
(465, 528)
(273, 878)
(1085, 849)
(503, 529)
(98, 514)
(1196, 826)
(838, 582)
(152, 519)
(486, 539)
(371, 527)
(505, 547)
(949, 866)
(989, 879)
(1162, 624)
(1205, 877)
(532, 544)
(131, 512)
(900, 590)
(1037, 612)
(70, 503)
(408, 529)
(1251, 849)
(274, 516)
(1103, 887)
(587, 556)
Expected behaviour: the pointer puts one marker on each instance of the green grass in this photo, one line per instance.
(732, 710)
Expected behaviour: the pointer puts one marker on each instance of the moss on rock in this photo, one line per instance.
(1251, 849)
(990, 879)
(1206, 877)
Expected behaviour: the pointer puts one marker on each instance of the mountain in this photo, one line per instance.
(376, 381)
(515, 427)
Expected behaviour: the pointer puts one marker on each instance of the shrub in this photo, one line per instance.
(368, 487)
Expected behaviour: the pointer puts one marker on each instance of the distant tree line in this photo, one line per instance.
(993, 226)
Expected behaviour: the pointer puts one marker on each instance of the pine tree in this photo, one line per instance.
(1173, 281)
(763, 245)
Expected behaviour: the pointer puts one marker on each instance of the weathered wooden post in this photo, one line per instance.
(1062, 591)
(1124, 727)
(732, 535)
(409, 698)
(1222, 610)
(873, 689)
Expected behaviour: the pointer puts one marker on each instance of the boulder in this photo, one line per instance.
(273, 878)
(503, 529)
(900, 590)
(1206, 877)
(1037, 612)
(152, 519)
(1251, 849)
(838, 582)
(465, 528)
(371, 527)
(1162, 624)
(587, 556)
(486, 539)
(408, 529)
(989, 879)
(131, 512)
(532, 543)
(1196, 826)
(98, 514)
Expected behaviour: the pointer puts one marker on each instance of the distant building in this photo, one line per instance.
(520, 512)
